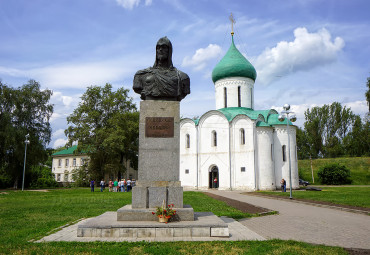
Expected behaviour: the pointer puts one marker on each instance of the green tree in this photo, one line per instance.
(106, 126)
(23, 110)
(326, 127)
(357, 143)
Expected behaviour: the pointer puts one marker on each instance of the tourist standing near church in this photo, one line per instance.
(102, 185)
(92, 184)
(283, 185)
(115, 185)
(128, 185)
(110, 184)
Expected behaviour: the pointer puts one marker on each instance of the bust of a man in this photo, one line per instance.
(162, 81)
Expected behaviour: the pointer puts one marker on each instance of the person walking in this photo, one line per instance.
(283, 185)
(215, 183)
(110, 185)
(92, 184)
(102, 185)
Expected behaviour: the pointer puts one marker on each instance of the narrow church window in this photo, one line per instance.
(272, 152)
(225, 97)
(284, 152)
(214, 138)
(187, 141)
(239, 97)
(186, 171)
(251, 98)
(242, 169)
(242, 136)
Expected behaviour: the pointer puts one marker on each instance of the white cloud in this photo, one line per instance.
(148, 2)
(307, 51)
(58, 133)
(60, 142)
(202, 56)
(128, 4)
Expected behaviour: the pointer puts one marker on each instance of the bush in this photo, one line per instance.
(43, 183)
(334, 174)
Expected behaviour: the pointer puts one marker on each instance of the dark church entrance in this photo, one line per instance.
(213, 178)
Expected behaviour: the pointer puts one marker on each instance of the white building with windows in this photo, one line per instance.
(242, 148)
(65, 161)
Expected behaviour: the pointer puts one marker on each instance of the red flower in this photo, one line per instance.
(172, 205)
(153, 213)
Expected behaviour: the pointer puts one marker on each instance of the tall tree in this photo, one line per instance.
(24, 110)
(326, 128)
(106, 126)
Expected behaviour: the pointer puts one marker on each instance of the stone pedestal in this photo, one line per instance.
(159, 155)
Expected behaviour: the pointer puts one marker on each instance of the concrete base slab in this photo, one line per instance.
(206, 224)
(127, 213)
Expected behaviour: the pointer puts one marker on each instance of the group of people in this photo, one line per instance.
(122, 185)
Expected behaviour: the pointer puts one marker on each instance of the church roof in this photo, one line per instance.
(265, 118)
(233, 64)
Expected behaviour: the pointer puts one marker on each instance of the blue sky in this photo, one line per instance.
(306, 52)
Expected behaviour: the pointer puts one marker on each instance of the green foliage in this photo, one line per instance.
(334, 174)
(367, 94)
(23, 110)
(42, 177)
(80, 176)
(106, 125)
(360, 168)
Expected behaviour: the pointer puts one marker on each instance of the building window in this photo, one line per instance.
(58, 177)
(251, 98)
(272, 152)
(187, 140)
(67, 162)
(242, 136)
(284, 152)
(239, 98)
(66, 177)
(74, 162)
(59, 162)
(225, 97)
(242, 169)
(186, 171)
(81, 161)
(214, 138)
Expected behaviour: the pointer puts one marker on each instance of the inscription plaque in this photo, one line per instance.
(162, 127)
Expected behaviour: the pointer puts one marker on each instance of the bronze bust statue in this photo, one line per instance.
(162, 81)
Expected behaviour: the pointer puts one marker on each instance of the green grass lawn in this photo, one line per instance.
(31, 215)
(355, 196)
(359, 167)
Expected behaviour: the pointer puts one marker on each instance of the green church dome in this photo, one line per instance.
(233, 64)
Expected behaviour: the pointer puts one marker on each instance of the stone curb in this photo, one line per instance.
(310, 203)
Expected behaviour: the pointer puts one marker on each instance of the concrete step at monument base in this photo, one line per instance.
(206, 224)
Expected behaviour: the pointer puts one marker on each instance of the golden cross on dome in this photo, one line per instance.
(231, 18)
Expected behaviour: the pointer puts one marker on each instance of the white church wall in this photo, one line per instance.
(232, 84)
(210, 155)
(281, 166)
(188, 156)
(243, 154)
(266, 175)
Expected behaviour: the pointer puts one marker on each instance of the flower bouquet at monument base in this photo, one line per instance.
(164, 213)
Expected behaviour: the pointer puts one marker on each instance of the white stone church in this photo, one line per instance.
(242, 148)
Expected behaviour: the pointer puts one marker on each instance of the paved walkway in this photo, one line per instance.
(307, 223)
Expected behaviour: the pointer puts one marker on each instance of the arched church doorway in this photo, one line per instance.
(213, 178)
